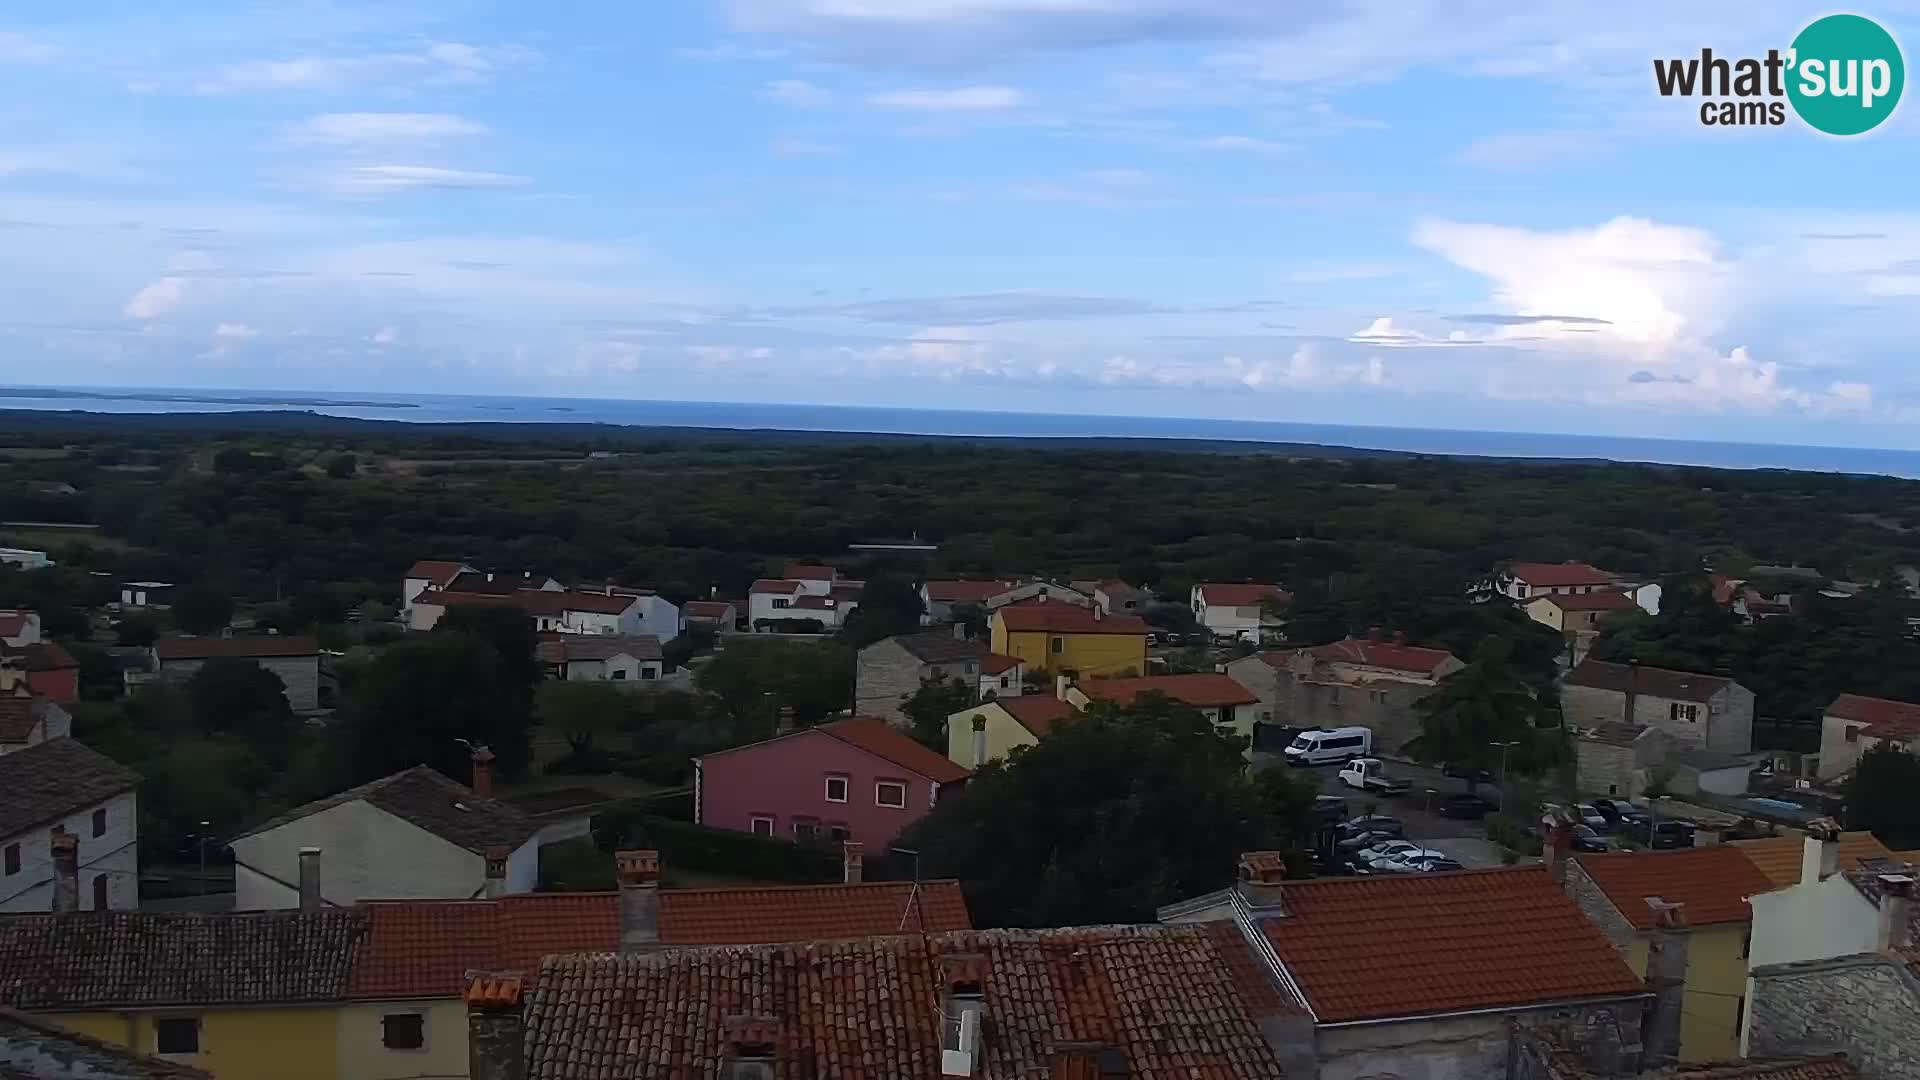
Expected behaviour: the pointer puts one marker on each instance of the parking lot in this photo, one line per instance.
(1464, 841)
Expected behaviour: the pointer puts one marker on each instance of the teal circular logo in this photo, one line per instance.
(1846, 74)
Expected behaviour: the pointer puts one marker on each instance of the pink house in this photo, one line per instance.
(855, 779)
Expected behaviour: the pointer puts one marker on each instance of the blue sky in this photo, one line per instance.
(1444, 214)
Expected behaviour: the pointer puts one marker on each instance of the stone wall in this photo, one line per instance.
(300, 675)
(886, 672)
(1599, 910)
(1724, 723)
(1604, 768)
(1385, 707)
(1866, 1006)
(1473, 1047)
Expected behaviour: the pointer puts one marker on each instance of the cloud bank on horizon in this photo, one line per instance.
(1460, 214)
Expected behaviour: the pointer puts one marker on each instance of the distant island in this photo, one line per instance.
(198, 399)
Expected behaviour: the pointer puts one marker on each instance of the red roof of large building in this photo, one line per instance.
(438, 571)
(709, 609)
(1382, 654)
(1036, 712)
(1713, 882)
(1396, 945)
(807, 572)
(1605, 600)
(248, 648)
(775, 586)
(1055, 617)
(1558, 575)
(1884, 717)
(876, 736)
(1202, 690)
(966, 591)
(1235, 595)
(423, 948)
(995, 663)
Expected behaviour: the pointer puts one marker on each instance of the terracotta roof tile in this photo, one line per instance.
(13, 622)
(1884, 717)
(939, 646)
(1835, 1067)
(562, 648)
(1036, 712)
(966, 592)
(1410, 944)
(1558, 575)
(1778, 857)
(796, 571)
(709, 609)
(810, 602)
(1161, 997)
(19, 715)
(775, 587)
(438, 571)
(78, 1054)
(1058, 617)
(881, 739)
(40, 656)
(1236, 595)
(104, 959)
(246, 648)
(1592, 601)
(1713, 882)
(49, 780)
(995, 663)
(1641, 679)
(1202, 690)
(1383, 654)
(427, 798)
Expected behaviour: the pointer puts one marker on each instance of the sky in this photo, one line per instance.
(1430, 213)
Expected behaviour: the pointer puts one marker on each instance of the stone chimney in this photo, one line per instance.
(1373, 633)
(979, 741)
(310, 879)
(1667, 978)
(1896, 911)
(783, 720)
(483, 772)
(1399, 637)
(496, 1030)
(1556, 842)
(1820, 852)
(638, 873)
(495, 885)
(852, 861)
(1629, 702)
(65, 850)
(1262, 881)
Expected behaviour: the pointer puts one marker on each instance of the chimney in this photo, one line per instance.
(1262, 881)
(783, 724)
(713, 592)
(1553, 850)
(489, 575)
(852, 855)
(65, 850)
(979, 741)
(1820, 852)
(310, 879)
(1896, 911)
(1061, 684)
(639, 875)
(1097, 613)
(496, 883)
(483, 772)
(959, 631)
(1399, 637)
(1373, 633)
(1667, 978)
(496, 1031)
(750, 1039)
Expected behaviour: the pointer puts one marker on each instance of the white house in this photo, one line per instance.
(19, 627)
(145, 594)
(1855, 723)
(62, 784)
(1239, 610)
(28, 719)
(1526, 580)
(657, 616)
(413, 835)
(24, 559)
(787, 598)
(1002, 676)
(427, 574)
(596, 657)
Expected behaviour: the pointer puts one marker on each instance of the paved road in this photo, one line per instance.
(1466, 841)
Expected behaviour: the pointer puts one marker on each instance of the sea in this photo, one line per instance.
(462, 408)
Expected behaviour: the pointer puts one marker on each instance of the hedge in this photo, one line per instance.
(720, 851)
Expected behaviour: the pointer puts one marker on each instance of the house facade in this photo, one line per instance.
(42, 1050)
(1115, 597)
(939, 597)
(1218, 696)
(1364, 682)
(1708, 712)
(719, 614)
(602, 658)
(427, 574)
(18, 627)
(1065, 638)
(135, 595)
(857, 779)
(892, 669)
(1855, 723)
(46, 668)
(1617, 760)
(62, 786)
(991, 730)
(296, 660)
(772, 600)
(1577, 613)
(1247, 612)
(27, 718)
(1522, 581)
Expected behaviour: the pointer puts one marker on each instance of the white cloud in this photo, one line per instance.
(156, 299)
(791, 146)
(386, 335)
(958, 99)
(1383, 332)
(1243, 143)
(359, 128)
(798, 94)
(235, 331)
(440, 64)
(372, 180)
(17, 48)
(1305, 368)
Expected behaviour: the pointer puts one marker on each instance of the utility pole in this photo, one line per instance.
(1504, 747)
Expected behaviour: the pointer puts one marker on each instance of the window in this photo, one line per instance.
(806, 828)
(403, 1031)
(1519, 588)
(176, 1035)
(890, 793)
(619, 673)
(1853, 735)
(1005, 681)
(100, 892)
(100, 822)
(1683, 712)
(13, 859)
(647, 673)
(836, 789)
(972, 670)
(781, 602)
(1058, 646)
(838, 832)
(1333, 695)
(761, 825)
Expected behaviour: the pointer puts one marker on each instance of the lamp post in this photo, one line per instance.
(1504, 747)
(201, 843)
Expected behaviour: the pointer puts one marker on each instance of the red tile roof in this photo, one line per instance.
(438, 571)
(1411, 944)
(995, 663)
(531, 601)
(1884, 717)
(1036, 712)
(1382, 654)
(1713, 882)
(422, 948)
(1778, 857)
(709, 609)
(775, 586)
(1055, 617)
(1641, 679)
(1235, 595)
(1835, 1067)
(19, 716)
(247, 648)
(1202, 690)
(1558, 575)
(1592, 601)
(881, 739)
(12, 623)
(41, 656)
(1161, 998)
(807, 572)
(966, 592)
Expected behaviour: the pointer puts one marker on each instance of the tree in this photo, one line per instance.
(509, 632)
(754, 678)
(583, 711)
(202, 609)
(237, 697)
(928, 707)
(1881, 799)
(417, 700)
(139, 630)
(889, 604)
(1484, 704)
(1074, 830)
(342, 466)
(314, 604)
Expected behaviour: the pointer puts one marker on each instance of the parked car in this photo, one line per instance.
(1321, 746)
(1668, 833)
(1402, 862)
(1378, 823)
(1591, 816)
(1363, 839)
(1586, 838)
(1467, 772)
(1611, 809)
(1428, 866)
(1370, 775)
(1329, 809)
(1468, 807)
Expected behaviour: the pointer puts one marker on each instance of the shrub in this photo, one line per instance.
(1512, 835)
(719, 851)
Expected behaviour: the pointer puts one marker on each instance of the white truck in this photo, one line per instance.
(1369, 775)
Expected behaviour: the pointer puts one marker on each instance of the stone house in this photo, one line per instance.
(1360, 681)
(1709, 712)
(891, 669)
(1855, 723)
(62, 788)
(296, 660)
(1617, 760)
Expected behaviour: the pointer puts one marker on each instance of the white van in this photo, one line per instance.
(1321, 745)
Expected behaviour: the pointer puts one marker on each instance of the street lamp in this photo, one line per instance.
(201, 843)
(1504, 747)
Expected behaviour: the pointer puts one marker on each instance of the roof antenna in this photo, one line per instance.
(916, 905)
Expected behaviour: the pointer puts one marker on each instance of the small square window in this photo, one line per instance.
(761, 825)
(647, 673)
(13, 859)
(619, 673)
(100, 822)
(176, 1035)
(836, 789)
(1853, 735)
(805, 828)
(890, 793)
(838, 832)
(403, 1031)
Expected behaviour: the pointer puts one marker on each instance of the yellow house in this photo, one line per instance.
(991, 730)
(1622, 893)
(246, 996)
(1071, 640)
